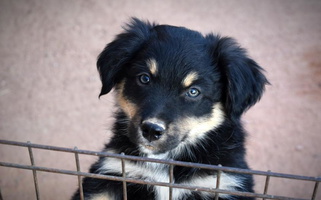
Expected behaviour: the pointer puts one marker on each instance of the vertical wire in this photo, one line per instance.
(171, 180)
(315, 190)
(35, 179)
(1, 195)
(124, 176)
(218, 181)
(267, 182)
(81, 191)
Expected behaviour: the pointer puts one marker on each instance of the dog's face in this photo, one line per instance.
(175, 85)
(170, 97)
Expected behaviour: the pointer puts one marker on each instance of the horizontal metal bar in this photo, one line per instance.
(138, 181)
(169, 162)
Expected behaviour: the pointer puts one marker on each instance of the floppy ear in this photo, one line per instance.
(243, 77)
(118, 53)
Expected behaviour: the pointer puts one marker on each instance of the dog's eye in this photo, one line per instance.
(193, 92)
(144, 79)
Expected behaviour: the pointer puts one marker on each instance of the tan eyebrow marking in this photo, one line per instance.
(189, 79)
(152, 65)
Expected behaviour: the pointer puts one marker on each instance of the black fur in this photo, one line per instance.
(225, 76)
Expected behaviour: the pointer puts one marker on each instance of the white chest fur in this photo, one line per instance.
(160, 173)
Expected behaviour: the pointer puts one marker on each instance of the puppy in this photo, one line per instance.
(180, 96)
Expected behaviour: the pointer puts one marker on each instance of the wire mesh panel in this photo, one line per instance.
(215, 188)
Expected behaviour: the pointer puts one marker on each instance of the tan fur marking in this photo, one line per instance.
(152, 65)
(198, 126)
(189, 79)
(128, 107)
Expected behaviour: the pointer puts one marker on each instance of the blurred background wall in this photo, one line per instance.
(49, 84)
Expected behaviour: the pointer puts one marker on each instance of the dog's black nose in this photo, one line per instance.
(152, 131)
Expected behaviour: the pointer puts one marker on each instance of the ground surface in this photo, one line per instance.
(49, 84)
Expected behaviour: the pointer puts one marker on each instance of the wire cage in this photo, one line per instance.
(171, 163)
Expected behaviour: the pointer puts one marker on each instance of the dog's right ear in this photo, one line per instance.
(118, 53)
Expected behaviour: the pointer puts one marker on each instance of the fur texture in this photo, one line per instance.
(180, 96)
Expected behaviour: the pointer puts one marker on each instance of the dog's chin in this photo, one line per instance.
(155, 148)
(152, 149)
(149, 149)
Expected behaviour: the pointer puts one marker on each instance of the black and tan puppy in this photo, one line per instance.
(180, 96)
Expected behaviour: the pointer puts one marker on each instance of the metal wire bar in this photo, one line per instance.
(35, 179)
(171, 180)
(266, 186)
(138, 181)
(168, 162)
(81, 191)
(1, 195)
(124, 176)
(314, 194)
(218, 181)
(220, 169)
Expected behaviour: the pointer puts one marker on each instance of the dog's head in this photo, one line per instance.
(175, 85)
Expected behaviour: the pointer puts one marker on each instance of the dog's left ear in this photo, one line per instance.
(117, 54)
(243, 77)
